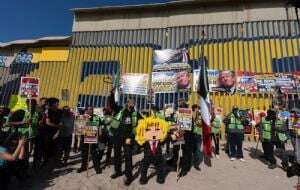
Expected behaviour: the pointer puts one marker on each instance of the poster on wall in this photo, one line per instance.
(246, 84)
(29, 87)
(183, 80)
(297, 81)
(213, 79)
(226, 82)
(286, 83)
(170, 59)
(164, 82)
(134, 83)
(184, 118)
(265, 83)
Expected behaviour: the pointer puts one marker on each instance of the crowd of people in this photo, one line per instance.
(46, 132)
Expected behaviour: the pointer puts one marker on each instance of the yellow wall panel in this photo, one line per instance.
(49, 54)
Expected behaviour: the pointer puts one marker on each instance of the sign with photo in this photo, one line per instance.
(164, 82)
(246, 84)
(226, 82)
(29, 87)
(184, 118)
(170, 59)
(134, 83)
(213, 77)
(183, 80)
(175, 130)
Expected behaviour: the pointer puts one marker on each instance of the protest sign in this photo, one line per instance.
(164, 82)
(213, 76)
(183, 80)
(90, 133)
(175, 130)
(29, 87)
(170, 59)
(219, 112)
(286, 83)
(246, 84)
(226, 82)
(265, 83)
(184, 118)
(99, 112)
(134, 83)
(80, 124)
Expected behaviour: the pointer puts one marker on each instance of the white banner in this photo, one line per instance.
(134, 83)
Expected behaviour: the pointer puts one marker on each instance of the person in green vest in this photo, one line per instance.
(197, 136)
(107, 133)
(39, 145)
(123, 126)
(155, 111)
(94, 121)
(281, 129)
(267, 126)
(235, 134)
(216, 127)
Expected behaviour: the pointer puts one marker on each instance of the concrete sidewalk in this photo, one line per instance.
(224, 174)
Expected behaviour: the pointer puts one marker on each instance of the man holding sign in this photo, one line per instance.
(89, 139)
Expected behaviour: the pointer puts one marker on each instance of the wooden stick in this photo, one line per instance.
(178, 163)
(88, 161)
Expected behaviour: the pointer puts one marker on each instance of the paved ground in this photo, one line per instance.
(224, 174)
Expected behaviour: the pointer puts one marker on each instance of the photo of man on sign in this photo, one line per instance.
(183, 80)
(227, 81)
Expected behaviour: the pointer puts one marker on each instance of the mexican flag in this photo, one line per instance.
(205, 108)
(116, 84)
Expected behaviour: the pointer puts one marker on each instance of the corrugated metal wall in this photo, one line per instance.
(250, 46)
(262, 47)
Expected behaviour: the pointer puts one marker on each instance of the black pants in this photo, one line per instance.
(109, 150)
(197, 154)
(157, 161)
(187, 151)
(49, 147)
(64, 144)
(38, 151)
(236, 145)
(216, 138)
(95, 153)
(4, 177)
(268, 148)
(128, 149)
(76, 144)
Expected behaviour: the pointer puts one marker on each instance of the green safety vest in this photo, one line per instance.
(117, 120)
(235, 125)
(197, 130)
(34, 124)
(216, 126)
(94, 121)
(279, 126)
(160, 115)
(266, 129)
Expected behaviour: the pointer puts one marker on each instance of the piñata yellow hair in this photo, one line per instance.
(142, 125)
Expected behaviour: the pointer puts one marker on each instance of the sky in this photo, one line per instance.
(30, 19)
